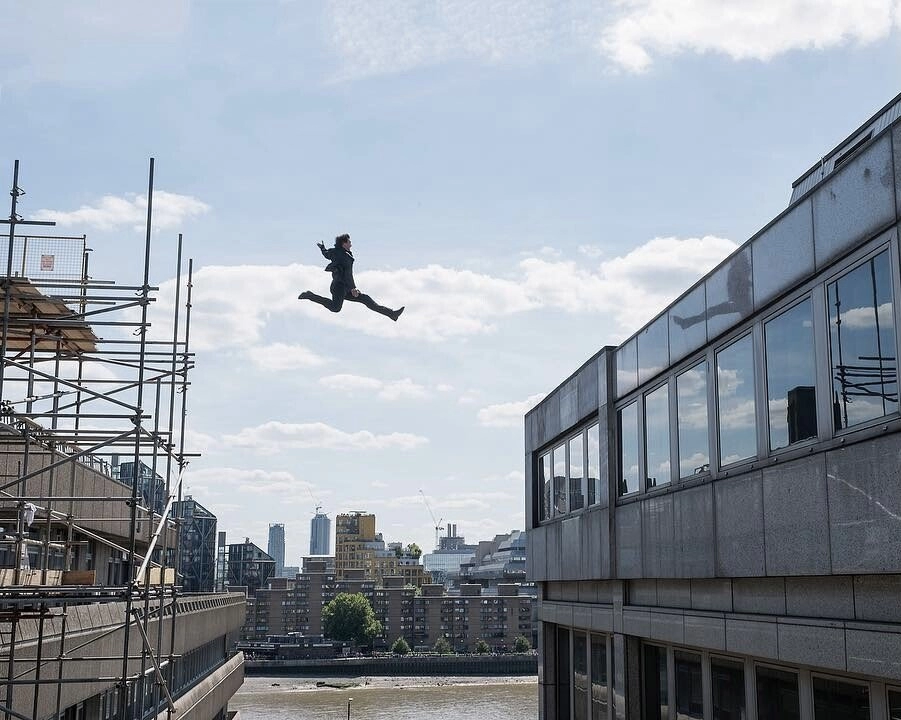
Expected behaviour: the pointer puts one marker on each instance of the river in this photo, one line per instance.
(435, 698)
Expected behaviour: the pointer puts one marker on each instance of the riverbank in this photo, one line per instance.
(281, 684)
(399, 666)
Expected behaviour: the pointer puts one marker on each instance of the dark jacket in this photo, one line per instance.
(341, 265)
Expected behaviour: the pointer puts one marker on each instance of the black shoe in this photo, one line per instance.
(397, 313)
(305, 295)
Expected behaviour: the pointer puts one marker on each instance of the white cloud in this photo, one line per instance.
(281, 356)
(404, 389)
(758, 30)
(864, 318)
(226, 481)
(273, 436)
(508, 414)
(170, 210)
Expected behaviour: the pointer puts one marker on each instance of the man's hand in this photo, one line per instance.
(320, 245)
(355, 292)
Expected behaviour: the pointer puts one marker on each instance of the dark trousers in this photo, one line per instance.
(340, 293)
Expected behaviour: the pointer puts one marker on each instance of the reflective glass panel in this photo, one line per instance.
(836, 700)
(598, 678)
(689, 688)
(559, 461)
(576, 473)
(626, 368)
(656, 702)
(791, 376)
(729, 293)
(694, 443)
(544, 484)
(627, 434)
(687, 324)
(862, 348)
(894, 705)
(728, 680)
(594, 464)
(777, 695)
(563, 678)
(653, 350)
(656, 418)
(735, 401)
(580, 676)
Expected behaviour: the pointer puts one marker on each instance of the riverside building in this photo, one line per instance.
(713, 506)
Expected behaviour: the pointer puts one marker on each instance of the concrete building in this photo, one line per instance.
(276, 547)
(445, 561)
(320, 533)
(501, 560)
(197, 548)
(713, 505)
(359, 547)
(248, 566)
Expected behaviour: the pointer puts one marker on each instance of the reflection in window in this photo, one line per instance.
(559, 461)
(656, 414)
(862, 348)
(656, 702)
(790, 376)
(580, 676)
(598, 678)
(594, 464)
(544, 483)
(694, 444)
(735, 401)
(728, 680)
(689, 690)
(777, 695)
(627, 434)
(836, 700)
(576, 474)
(626, 368)
(562, 672)
(894, 705)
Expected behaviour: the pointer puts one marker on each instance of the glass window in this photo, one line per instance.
(559, 461)
(580, 676)
(594, 464)
(836, 700)
(862, 348)
(735, 401)
(562, 672)
(626, 368)
(627, 434)
(656, 701)
(656, 423)
(576, 473)
(728, 680)
(691, 400)
(689, 689)
(598, 678)
(894, 705)
(653, 350)
(777, 695)
(791, 376)
(544, 484)
(688, 324)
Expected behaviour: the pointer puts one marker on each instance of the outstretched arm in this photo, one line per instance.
(326, 253)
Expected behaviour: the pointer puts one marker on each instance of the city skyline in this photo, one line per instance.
(533, 180)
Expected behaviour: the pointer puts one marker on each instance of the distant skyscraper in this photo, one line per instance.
(320, 533)
(277, 547)
(197, 558)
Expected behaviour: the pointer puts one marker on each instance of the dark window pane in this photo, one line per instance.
(656, 702)
(562, 672)
(656, 414)
(544, 483)
(728, 680)
(689, 689)
(594, 464)
(791, 376)
(598, 678)
(694, 444)
(580, 676)
(862, 348)
(835, 700)
(626, 368)
(576, 473)
(777, 695)
(627, 433)
(894, 705)
(559, 461)
(736, 406)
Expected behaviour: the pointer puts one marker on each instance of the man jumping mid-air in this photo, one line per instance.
(341, 263)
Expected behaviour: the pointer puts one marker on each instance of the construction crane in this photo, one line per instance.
(438, 526)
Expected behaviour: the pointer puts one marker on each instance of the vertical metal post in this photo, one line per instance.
(7, 281)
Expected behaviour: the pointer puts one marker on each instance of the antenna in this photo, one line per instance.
(315, 501)
(438, 526)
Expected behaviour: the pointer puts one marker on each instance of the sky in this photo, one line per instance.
(532, 180)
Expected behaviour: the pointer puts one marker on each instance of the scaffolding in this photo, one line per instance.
(82, 384)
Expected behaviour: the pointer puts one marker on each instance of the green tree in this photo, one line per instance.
(521, 644)
(482, 647)
(400, 647)
(349, 617)
(441, 646)
(413, 550)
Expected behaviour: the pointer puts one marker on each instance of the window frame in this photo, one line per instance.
(549, 449)
(747, 332)
(643, 435)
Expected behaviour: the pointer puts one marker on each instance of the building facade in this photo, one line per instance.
(713, 506)
(358, 547)
(248, 566)
(320, 534)
(276, 547)
(197, 547)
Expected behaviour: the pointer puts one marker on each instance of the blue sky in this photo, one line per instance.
(533, 180)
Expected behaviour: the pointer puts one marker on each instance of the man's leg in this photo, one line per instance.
(373, 305)
(337, 300)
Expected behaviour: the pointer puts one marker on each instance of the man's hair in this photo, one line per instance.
(341, 239)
